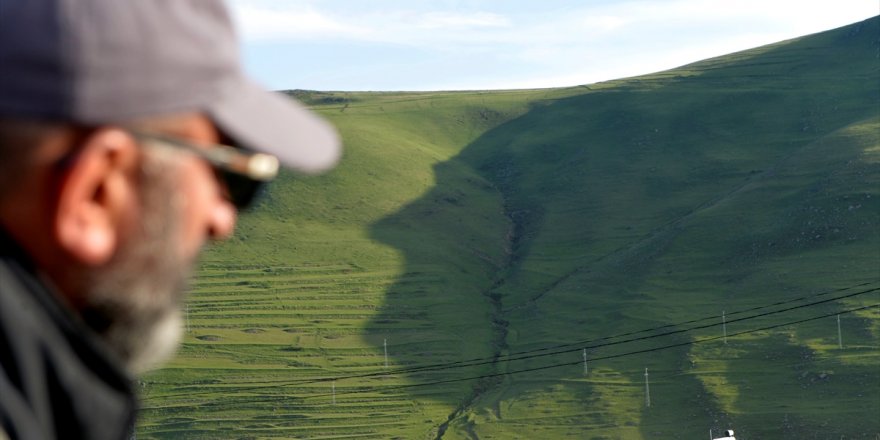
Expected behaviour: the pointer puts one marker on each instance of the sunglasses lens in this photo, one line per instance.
(242, 190)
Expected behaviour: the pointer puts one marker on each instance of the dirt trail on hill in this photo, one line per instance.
(499, 324)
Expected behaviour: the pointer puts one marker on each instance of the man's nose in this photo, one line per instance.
(221, 221)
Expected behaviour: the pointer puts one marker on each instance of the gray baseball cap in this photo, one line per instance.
(98, 62)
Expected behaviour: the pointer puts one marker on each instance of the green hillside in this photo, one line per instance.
(521, 229)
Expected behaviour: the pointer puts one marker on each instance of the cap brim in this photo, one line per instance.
(272, 123)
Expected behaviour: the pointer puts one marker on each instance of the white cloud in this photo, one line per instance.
(637, 37)
(446, 20)
(578, 25)
(262, 23)
(556, 44)
(297, 21)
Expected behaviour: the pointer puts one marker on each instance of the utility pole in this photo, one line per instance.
(586, 370)
(385, 345)
(724, 326)
(333, 390)
(647, 390)
(839, 335)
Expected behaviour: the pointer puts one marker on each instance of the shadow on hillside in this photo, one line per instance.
(453, 294)
(464, 241)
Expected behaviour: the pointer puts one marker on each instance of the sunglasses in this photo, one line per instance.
(243, 173)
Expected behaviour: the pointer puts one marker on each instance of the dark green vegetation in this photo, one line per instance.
(478, 225)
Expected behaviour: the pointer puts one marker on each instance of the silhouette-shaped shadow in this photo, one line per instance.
(588, 194)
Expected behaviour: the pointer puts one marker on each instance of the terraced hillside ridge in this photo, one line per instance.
(651, 257)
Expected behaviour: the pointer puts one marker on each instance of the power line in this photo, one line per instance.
(265, 398)
(580, 344)
(615, 356)
(564, 348)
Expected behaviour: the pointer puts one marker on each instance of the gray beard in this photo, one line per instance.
(134, 302)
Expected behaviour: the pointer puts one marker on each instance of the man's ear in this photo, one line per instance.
(95, 195)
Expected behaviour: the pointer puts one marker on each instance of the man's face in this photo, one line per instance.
(134, 302)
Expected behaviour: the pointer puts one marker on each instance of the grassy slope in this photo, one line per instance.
(721, 185)
(303, 290)
(467, 225)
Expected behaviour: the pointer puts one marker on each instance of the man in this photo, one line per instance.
(113, 175)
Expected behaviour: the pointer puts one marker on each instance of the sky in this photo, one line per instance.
(420, 45)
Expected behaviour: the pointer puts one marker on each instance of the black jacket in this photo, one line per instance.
(56, 378)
